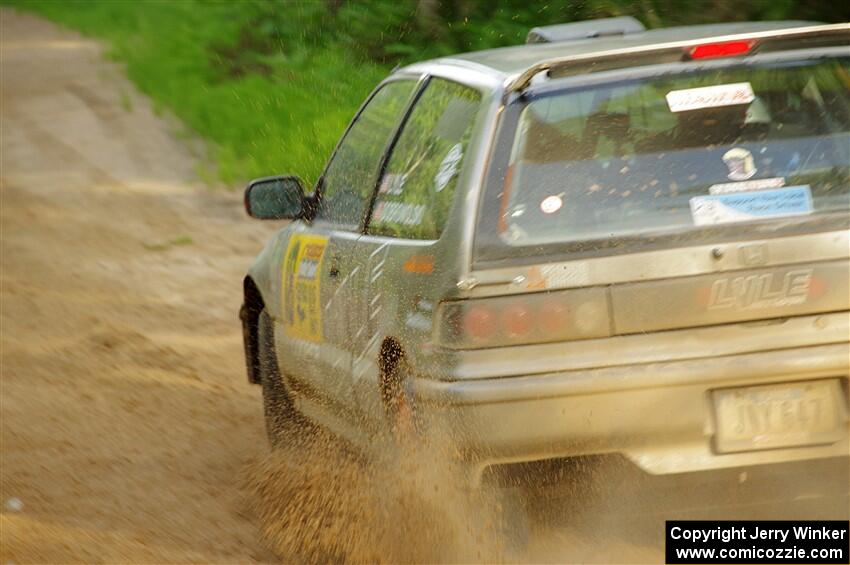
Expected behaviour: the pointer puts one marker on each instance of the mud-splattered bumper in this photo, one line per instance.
(660, 415)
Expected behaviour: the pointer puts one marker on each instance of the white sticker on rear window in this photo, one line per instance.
(710, 97)
(746, 206)
(551, 204)
(746, 186)
(741, 164)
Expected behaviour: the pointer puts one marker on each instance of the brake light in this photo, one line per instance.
(724, 49)
(553, 316)
(516, 320)
(479, 322)
(536, 317)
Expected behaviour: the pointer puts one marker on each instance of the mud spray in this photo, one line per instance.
(318, 502)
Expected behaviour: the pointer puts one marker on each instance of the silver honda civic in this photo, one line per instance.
(608, 242)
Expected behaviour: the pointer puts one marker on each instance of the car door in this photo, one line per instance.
(396, 254)
(318, 260)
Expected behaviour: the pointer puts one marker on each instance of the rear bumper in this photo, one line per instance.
(811, 490)
(658, 415)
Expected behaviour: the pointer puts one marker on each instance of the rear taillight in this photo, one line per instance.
(517, 320)
(480, 323)
(522, 319)
(554, 316)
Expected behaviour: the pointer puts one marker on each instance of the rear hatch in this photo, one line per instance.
(693, 195)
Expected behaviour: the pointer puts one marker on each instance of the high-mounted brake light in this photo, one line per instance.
(724, 49)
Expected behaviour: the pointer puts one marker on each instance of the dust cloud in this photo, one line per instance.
(319, 501)
(126, 417)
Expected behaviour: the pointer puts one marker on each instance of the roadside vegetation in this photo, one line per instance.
(271, 84)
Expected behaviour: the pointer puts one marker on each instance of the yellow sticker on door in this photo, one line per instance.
(301, 288)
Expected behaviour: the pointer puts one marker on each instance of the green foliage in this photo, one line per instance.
(350, 179)
(422, 171)
(272, 83)
(269, 99)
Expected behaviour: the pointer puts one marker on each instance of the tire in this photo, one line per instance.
(403, 426)
(408, 432)
(278, 408)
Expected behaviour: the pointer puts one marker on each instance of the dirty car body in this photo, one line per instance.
(634, 245)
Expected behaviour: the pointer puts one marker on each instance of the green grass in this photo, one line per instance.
(165, 246)
(271, 84)
(285, 119)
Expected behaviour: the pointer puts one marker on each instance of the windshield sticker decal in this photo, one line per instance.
(746, 186)
(741, 164)
(710, 97)
(551, 204)
(399, 212)
(448, 168)
(746, 206)
(301, 288)
(565, 275)
(392, 184)
(560, 275)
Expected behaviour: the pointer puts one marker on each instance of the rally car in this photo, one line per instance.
(608, 242)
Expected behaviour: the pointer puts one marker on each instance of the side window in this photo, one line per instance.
(415, 195)
(349, 180)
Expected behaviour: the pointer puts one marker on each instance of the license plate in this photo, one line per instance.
(783, 415)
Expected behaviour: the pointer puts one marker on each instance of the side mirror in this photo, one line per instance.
(275, 198)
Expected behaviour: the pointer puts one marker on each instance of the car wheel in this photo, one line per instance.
(408, 432)
(277, 404)
(398, 402)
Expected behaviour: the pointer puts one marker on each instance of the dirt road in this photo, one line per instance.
(126, 417)
(129, 431)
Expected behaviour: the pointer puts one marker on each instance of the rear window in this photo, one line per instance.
(702, 151)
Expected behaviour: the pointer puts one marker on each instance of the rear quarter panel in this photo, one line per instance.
(412, 277)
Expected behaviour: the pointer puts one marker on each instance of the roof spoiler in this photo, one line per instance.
(828, 35)
(585, 30)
